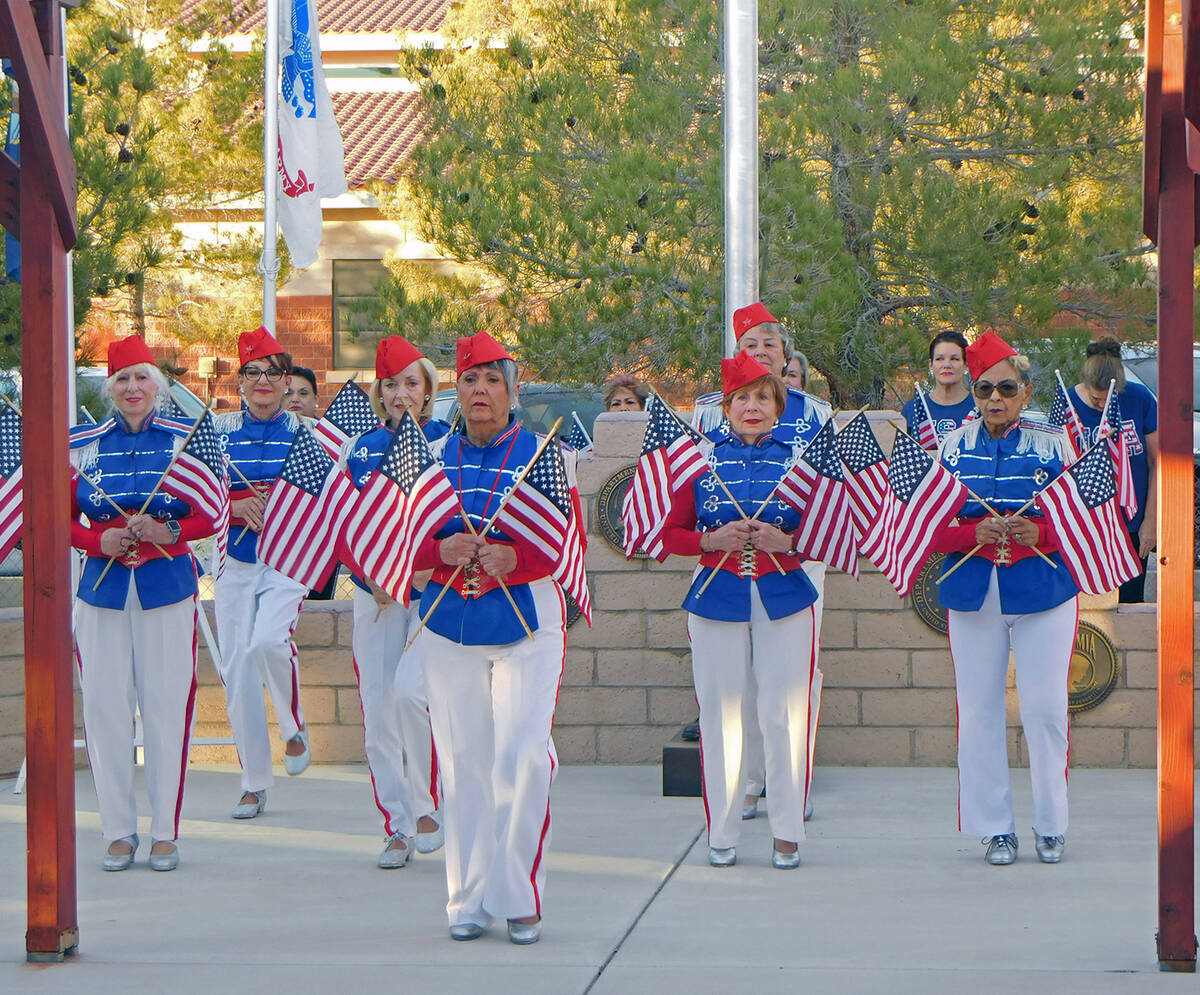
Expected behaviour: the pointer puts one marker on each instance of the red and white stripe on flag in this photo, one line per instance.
(11, 515)
(926, 432)
(305, 513)
(815, 488)
(1092, 537)
(921, 497)
(865, 472)
(406, 500)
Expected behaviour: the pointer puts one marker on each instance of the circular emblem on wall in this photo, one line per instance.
(1093, 672)
(926, 602)
(608, 507)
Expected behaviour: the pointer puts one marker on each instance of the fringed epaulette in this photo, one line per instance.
(227, 422)
(1048, 441)
(347, 450)
(965, 435)
(438, 446)
(85, 443)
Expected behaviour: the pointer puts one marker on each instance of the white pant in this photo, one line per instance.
(143, 658)
(397, 737)
(753, 761)
(723, 656)
(1041, 644)
(256, 609)
(492, 709)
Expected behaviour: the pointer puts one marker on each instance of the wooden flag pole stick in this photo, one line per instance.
(484, 531)
(729, 552)
(99, 490)
(150, 496)
(980, 545)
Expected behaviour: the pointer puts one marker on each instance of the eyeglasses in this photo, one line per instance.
(255, 373)
(1007, 388)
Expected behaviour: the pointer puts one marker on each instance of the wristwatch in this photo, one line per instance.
(174, 528)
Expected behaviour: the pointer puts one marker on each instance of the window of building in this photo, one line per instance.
(356, 331)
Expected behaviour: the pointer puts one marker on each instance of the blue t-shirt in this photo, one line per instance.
(946, 417)
(1139, 418)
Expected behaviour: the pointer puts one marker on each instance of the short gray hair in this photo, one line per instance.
(157, 377)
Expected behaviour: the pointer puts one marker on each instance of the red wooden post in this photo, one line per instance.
(1176, 206)
(53, 930)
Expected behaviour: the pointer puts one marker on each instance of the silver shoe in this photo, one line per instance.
(248, 810)
(429, 842)
(164, 861)
(1050, 848)
(393, 857)
(750, 811)
(1001, 850)
(722, 856)
(299, 763)
(785, 861)
(120, 861)
(466, 931)
(524, 932)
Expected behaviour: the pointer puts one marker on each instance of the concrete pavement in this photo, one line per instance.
(889, 897)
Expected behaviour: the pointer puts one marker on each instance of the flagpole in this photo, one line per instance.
(268, 262)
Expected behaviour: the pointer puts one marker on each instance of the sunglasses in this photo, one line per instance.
(254, 373)
(1007, 388)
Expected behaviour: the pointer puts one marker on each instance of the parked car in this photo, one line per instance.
(539, 404)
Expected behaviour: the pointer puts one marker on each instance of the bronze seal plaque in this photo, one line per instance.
(608, 508)
(1094, 667)
(926, 602)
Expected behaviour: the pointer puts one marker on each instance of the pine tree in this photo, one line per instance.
(926, 164)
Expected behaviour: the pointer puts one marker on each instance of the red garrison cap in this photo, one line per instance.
(739, 371)
(258, 344)
(985, 352)
(393, 355)
(128, 352)
(477, 349)
(745, 318)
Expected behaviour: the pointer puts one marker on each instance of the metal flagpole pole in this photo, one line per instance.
(268, 262)
(741, 160)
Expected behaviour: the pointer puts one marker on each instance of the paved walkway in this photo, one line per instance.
(889, 898)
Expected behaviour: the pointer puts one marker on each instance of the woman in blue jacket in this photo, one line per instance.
(135, 610)
(750, 612)
(399, 744)
(1007, 598)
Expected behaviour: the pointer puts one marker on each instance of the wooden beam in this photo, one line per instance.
(53, 930)
(10, 195)
(42, 103)
(1152, 115)
(1176, 207)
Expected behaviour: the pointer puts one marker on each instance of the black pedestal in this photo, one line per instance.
(681, 769)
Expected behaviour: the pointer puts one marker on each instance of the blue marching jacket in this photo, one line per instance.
(364, 452)
(481, 475)
(127, 466)
(257, 448)
(751, 473)
(802, 418)
(1005, 472)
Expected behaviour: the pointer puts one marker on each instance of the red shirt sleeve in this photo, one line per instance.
(679, 534)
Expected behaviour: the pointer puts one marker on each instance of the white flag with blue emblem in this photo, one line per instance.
(311, 157)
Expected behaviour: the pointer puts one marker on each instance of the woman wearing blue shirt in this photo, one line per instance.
(948, 403)
(1006, 598)
(398, 741)
(135, 617)
(755, 616)
(1139, 430)
(257, 606)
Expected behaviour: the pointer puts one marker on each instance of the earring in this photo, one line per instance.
(427, 397)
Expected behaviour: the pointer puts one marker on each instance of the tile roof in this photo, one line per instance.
(346, 16)
(378, 131)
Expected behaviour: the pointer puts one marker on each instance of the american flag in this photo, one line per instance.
(578, 438)
(544, 511)
(926, 431)
(670, 460)
(816, 488)
(10, 479)
(922, 496)
(1063, 415)
(1081, 505)
(1112, 429)
(349, 414)
(866, 473)
(406, 500)
(305, 513)
(199, 476)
